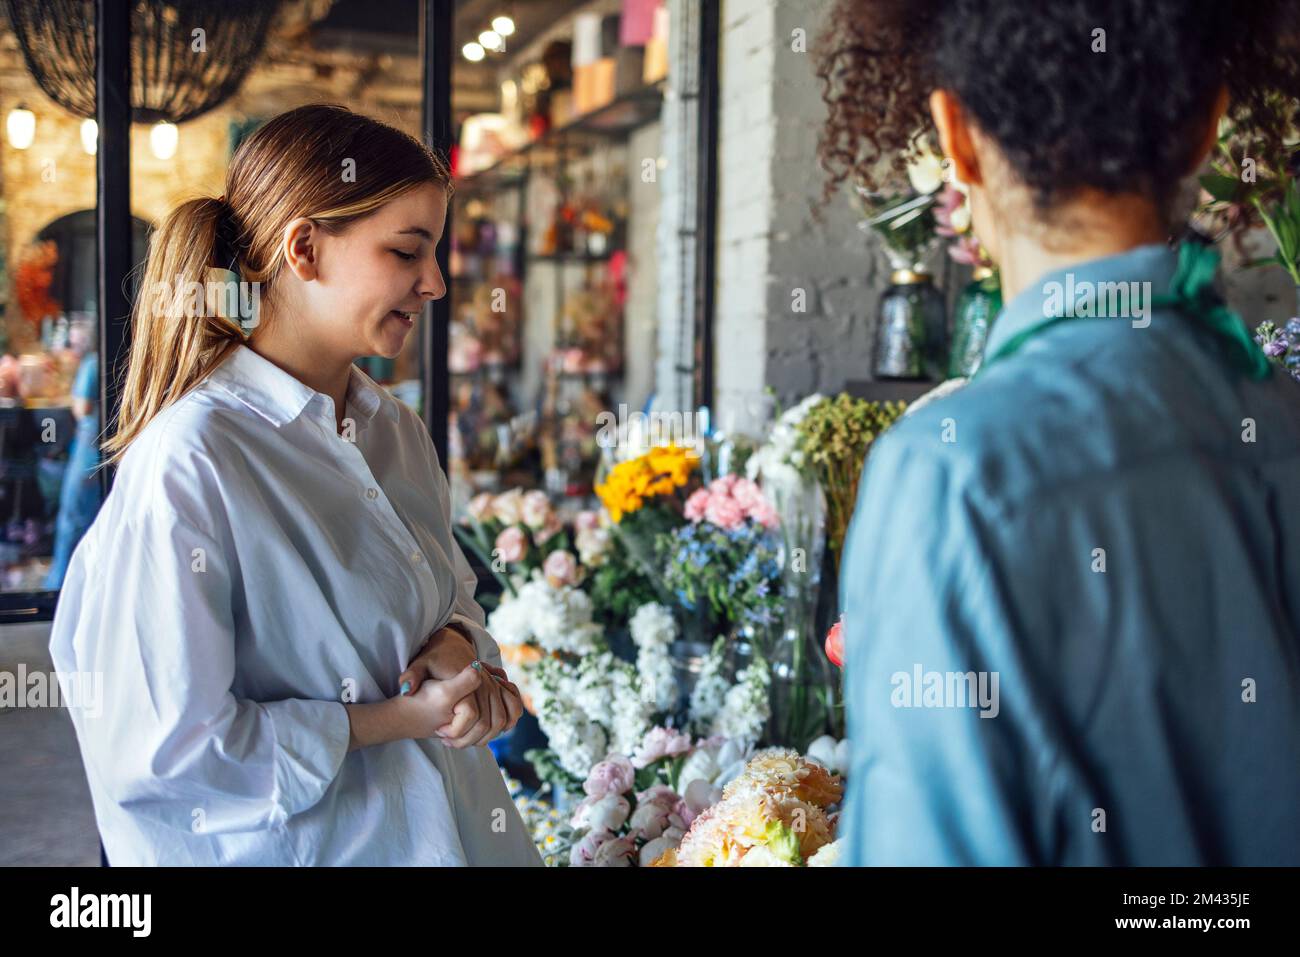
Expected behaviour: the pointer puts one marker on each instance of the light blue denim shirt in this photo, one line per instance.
(1071, 593)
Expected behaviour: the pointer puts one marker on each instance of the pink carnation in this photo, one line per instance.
(723, 484)
(724, 512)
(696, 504)
(747, 495)
(765, 515)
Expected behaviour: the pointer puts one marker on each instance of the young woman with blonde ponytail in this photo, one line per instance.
(293, 667)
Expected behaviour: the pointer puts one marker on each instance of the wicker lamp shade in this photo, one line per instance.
(187, 56)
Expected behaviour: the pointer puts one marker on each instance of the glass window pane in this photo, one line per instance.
(554, 272)
(49, 379)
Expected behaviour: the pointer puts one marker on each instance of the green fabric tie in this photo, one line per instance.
(1191, 292)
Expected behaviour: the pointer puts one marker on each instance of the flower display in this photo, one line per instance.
(653, 632)
(555, 618)
(775, 813)
(659, 472)
(732, 573)
(728, 501)
(514, 534)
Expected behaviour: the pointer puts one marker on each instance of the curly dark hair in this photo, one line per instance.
(1026, 73)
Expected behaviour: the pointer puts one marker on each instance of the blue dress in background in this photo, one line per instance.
(79, 497)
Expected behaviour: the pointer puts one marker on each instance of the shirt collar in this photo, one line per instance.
(1154, 263)
(280, 397)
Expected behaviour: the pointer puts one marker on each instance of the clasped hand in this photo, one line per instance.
(461, 705)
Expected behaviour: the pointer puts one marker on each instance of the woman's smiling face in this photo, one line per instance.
(371, 280)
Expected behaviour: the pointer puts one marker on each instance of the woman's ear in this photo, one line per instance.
(955, 137)
(1210, 132)
(299, 247)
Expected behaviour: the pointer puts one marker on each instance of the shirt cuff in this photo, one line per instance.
(484, 645)
(311, 741)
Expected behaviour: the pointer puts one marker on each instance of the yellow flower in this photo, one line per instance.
(660, 471)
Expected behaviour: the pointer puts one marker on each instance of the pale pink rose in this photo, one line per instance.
(618, 852)
(511, 544)
(724, 512)
(547, 531)
(658, 809)
(648, 821)
(696, 504)
(586, 519)
(507, 507)
(660, 794)
(614, 775)
(480, 507)
(660, 743)
(560, 569)
(583, 853)
(593, 544)
(683, 812)
(535, 509)
(601, 813)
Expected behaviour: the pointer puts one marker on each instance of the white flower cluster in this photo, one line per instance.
(745, 709)
(577, 741)
(590, 709)
(632, 713)
(556, 619)
(779, 460)
(653, 631)
(710, 688)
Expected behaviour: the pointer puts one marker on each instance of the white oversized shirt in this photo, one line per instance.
(250, 570)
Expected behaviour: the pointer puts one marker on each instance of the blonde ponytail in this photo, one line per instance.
(174, 345)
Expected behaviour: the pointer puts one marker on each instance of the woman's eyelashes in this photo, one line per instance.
(408, 257)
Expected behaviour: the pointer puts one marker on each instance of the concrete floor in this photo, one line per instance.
(46, 817)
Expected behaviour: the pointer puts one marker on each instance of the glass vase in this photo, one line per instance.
(978, 305)
(802, 692)
(911, 336)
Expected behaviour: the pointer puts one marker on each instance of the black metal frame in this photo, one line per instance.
(707, 200)
(436, 26)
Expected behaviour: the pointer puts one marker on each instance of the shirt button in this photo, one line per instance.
(372, 493)
(417, 557)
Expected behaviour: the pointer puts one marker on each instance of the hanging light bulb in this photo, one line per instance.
(90, 136)
(21, 127)
(491, 40)
(503, 25)
(473, 52)
(163, 138)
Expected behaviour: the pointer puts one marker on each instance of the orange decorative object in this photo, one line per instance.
(32, 280)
